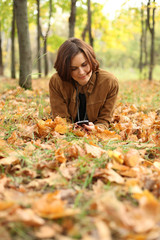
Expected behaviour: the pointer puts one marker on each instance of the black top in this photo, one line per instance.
(82, 108)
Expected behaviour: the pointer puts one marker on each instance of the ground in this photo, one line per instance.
(62, 183)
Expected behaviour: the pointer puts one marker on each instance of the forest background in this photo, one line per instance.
(64, 183)
(127, 45)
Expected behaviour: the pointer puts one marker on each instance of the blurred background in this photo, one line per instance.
(124, 34)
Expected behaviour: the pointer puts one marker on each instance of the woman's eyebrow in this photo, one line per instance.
(81, 63)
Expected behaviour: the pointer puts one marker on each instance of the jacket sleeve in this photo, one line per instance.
(106, 111)
(57, 100)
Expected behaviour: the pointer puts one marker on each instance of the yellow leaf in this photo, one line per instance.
(116, 156)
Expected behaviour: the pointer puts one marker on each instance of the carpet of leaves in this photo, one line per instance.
(61, 182)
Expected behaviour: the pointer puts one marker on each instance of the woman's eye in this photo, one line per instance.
(73, 69)
(84, 64)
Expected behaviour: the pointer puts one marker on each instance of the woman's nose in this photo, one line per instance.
(81, 70)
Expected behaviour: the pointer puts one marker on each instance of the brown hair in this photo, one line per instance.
(67, 51)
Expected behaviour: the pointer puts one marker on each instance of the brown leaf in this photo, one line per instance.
(28, 217)
(45, 232)
(132, 158)
(50, 206)
(4, 233)
(12, 159)
(3, 182)
(104, 232)
(94, 151)
(66, 171)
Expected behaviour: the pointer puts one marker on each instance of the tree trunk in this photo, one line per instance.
(24, 44)
(84, 32)
(45, 57)
(145, 50)
(38, 40)
(151, 27)
(13, 72)
(72, 18)
(45, 36)
(141, 41)
(89, 23)
(1, 57)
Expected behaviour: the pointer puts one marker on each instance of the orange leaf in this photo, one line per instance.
(60, 128)
(12, 138)
(43, 129)
(5, 205)
(59, 155)
(79, 133)
(50, 206)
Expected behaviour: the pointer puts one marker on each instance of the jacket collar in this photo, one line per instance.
(89, 86)
(91, 82)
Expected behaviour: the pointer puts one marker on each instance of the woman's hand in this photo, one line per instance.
(90, 126)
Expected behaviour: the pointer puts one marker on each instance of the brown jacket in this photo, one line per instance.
(101, 93)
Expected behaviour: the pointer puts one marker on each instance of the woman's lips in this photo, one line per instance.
(83, 77)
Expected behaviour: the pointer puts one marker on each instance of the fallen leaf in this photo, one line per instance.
(50, 206)
(28, 217)
(116, 156)
(94, 151)
(59, 156)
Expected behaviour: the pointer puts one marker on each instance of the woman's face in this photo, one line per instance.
(80, 69)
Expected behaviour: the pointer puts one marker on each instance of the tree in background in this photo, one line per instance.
(115, 40)
(72, 18)
(143, 43)
(38, 40)
(24, 44)
(141, 39)
(1, 56)
(89, 22)
(151, 27)
(88, 26)
(44, 37)
(13, 71)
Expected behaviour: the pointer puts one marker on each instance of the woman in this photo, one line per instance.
(80, 90)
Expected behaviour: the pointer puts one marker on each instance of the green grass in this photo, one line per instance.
(132, 74)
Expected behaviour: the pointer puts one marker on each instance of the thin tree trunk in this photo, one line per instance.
(72, 18)
(24, 44)
(45, 57)
(13, 72)
(152, 32)
(152, 44)
(141, 41)
(45, 36)
(145, 50)
(84, 32)
(38, 40)
(89, 23)
(1, 56)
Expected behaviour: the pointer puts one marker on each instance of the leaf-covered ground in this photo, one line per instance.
(62, 183)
